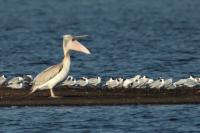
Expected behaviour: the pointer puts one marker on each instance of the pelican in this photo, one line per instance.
(55, 74)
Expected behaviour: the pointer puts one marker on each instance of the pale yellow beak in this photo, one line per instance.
(77, 46)
(79, 37)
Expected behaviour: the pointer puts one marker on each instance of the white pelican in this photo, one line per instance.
(94, 81)
(82, 82)
(55, 74)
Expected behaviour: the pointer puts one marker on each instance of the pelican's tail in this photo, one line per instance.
(33, 89)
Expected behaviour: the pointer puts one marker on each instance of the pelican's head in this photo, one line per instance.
(70, 43)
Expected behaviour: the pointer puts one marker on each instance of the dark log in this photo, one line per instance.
(98, 96)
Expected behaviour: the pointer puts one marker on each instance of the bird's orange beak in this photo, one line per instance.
(77, 46)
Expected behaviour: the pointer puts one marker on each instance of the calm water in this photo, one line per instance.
(127, 37)
(100, 119)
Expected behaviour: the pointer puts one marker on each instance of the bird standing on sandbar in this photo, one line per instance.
(55, 74)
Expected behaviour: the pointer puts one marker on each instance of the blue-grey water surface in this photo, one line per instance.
(127, 37)
(102, 119)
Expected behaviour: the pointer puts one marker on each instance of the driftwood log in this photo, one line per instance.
(98, 96)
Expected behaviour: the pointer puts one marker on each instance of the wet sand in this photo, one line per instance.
(97, 96)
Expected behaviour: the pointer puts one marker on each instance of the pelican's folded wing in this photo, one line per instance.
(47, 74)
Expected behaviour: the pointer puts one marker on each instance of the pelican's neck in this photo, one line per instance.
(66, 60)
(65, 50)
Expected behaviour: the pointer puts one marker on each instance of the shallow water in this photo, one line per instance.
(156, 38)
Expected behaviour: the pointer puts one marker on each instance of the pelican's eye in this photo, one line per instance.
(73, 39)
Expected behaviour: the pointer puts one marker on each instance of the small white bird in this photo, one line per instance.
(150, 81)
(121, 81)
(168, 83)
(16, 86)
(82, 82)
(189, 82)
(27, 78)
(111, 83)
(127, 83)
(94, 81)
(171, 87)
(135, 83)
(142, 82)
(136, 77)
(180, 82)
(192, 78)
(3, 79)
(15, 80)
(70, 81)
(158, 84)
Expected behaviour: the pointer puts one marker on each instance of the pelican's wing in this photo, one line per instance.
(47, 74)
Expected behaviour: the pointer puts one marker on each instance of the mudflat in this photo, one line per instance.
(97, 96)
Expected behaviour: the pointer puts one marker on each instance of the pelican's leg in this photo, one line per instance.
(52, 94)
(32, 91)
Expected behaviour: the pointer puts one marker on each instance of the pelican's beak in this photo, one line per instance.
(79, 37)
(77, 46)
